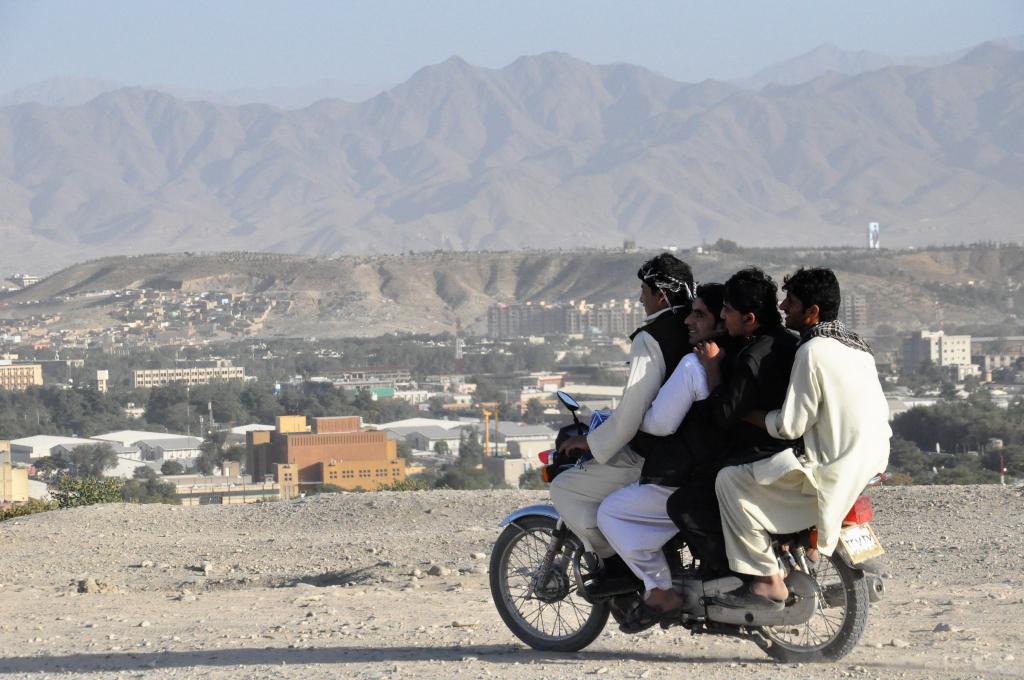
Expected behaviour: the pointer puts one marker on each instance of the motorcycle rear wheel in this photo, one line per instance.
(837, 625)
(549, 616)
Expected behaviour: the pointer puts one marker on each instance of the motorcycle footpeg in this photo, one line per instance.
(800, 607)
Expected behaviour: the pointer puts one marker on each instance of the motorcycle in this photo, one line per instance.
(540, 573)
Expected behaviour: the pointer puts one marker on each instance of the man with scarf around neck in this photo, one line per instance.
(835, 403)
(666, 292)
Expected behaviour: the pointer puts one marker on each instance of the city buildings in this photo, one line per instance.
(201, 373)
(853, 311)
(935, 347)
(185, 449)
(222, 490)
(617, 317)
(19, 376)
(335, 451)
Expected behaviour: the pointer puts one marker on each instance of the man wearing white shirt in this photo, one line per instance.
(666, 292)
(634, 519)
(835, 402)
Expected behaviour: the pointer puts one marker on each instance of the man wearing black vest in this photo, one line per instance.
(666, 292)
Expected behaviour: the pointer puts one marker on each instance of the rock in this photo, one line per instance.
(899, 644)
(145, 624)
(1008, 657)
(479, 556)
(91, 585)
(417, 573)
(438, 570)
(944, 627)
(462, 623)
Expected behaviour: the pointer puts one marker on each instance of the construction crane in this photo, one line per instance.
(485, 408)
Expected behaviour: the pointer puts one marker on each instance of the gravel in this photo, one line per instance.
(394, 584)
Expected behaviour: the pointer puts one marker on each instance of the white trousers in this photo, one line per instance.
(636, 524)
(755, 506)
(577, 493)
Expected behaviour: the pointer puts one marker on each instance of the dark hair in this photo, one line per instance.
(815, 286)
(671, 276)
(751, 291)
(713, 294)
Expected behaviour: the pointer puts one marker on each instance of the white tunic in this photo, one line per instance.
(836, 404)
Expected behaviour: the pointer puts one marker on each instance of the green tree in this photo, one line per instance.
(49, 465)
(148, 491)
(172, 467)
(441, 448)
(531, 479)
(71, 492)
(91, 460)
(534, 412)
(907, 458)
(144, 473)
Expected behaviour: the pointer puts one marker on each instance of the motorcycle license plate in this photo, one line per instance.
(860, 543)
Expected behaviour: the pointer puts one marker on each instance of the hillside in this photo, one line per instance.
(428, 292)
(548, 150)
(341, 586)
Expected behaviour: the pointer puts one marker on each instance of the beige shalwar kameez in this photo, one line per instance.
(835, 402)
(577, 492)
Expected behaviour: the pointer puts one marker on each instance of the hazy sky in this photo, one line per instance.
(224, 44)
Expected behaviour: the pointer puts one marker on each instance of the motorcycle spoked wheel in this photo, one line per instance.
(837, 625)
(550, 616)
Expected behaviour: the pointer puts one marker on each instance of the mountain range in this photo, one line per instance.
(549, 151)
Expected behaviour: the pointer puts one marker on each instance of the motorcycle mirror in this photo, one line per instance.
(569, 402)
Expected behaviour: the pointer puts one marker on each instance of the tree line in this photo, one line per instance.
(965, 432)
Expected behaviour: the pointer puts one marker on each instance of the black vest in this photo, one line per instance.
(672, 337)
(669, 331)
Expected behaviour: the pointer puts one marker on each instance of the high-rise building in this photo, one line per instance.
(854, 311)
(614, 318)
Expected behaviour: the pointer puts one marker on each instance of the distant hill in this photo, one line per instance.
(827, 58)
(428, 292)
(548, 151)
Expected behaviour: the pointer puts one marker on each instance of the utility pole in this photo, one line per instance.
(188, 412)
(1002, 469)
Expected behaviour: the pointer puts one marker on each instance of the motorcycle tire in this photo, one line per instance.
(837, 625)
(552, 617)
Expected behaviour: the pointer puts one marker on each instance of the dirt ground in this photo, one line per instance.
(341, 586)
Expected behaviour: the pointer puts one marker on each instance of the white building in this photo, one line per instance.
(179, 449)
(937, 348)
(28, 449)
(133, 437)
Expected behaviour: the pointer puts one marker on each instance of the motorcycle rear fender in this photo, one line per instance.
(543, 510)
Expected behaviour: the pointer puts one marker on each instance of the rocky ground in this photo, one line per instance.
(395, 585)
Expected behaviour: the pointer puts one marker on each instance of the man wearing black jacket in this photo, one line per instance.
(749, 369)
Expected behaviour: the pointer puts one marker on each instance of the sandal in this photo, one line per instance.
(745, 598)
(643, 616)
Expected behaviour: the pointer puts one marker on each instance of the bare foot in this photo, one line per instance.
(663, 600)
(772, 587)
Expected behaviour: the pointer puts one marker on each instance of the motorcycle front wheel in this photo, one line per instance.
(837, 625)
(544, 612)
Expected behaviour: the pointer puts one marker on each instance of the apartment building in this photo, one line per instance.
(201, 373)
(20, 376)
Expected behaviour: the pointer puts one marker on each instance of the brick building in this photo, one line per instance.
(335, 451)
